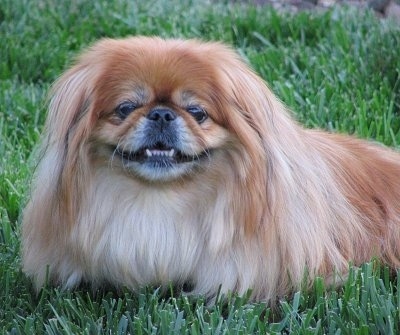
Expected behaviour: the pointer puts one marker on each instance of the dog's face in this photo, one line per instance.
(162, 112)
(158, 109)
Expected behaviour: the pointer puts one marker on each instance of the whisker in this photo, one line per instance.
(206, 151)
(111, 160)
(124, 163)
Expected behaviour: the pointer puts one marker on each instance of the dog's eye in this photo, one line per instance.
(125, 108)
(199, 114)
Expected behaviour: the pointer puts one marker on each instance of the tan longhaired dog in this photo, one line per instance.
(170, 161)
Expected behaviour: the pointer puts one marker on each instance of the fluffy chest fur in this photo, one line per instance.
(138, 234)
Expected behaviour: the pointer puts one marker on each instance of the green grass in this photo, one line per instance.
(338, 70)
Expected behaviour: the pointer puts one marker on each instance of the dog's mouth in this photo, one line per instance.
(160, 155)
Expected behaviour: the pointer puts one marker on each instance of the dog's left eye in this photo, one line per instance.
(198, 113)
(125, 108)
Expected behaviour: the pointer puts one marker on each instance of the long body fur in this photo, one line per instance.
(276, 201)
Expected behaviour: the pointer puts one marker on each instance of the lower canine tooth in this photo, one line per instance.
(149, 153)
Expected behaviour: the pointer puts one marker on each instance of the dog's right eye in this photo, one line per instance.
(125, 108)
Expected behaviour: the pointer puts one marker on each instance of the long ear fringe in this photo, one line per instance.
(60, 173)
(261, 123)
(294, 219)
(66, 132)
(71, 107)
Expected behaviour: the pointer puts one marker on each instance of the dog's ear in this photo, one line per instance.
(55, 194)
(61, 177)
(266, 130)
(67, 130)
(243, 101)
(69, 102)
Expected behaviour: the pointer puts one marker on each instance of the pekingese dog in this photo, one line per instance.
(170, 161)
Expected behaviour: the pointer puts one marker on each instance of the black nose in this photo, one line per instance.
(161, 114)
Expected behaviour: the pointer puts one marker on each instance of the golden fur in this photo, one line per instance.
(266, 202)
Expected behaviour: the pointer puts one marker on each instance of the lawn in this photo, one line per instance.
(338, 70)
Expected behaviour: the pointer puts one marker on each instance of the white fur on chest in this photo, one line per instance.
(138, 235)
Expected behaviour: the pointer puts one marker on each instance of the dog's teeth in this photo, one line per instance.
(166, 153)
